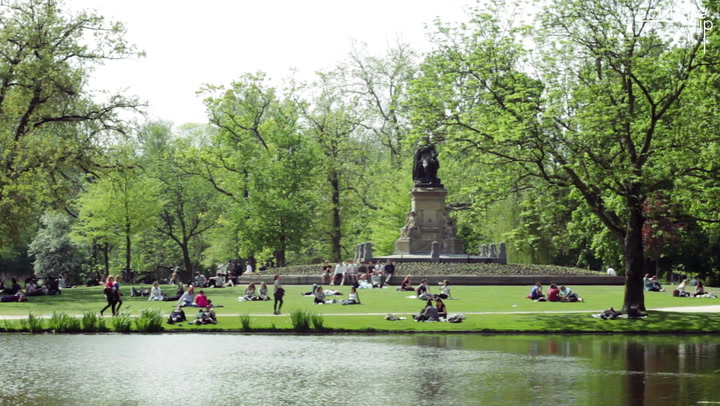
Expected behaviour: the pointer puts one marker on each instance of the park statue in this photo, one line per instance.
(410, 226)
(426, 166)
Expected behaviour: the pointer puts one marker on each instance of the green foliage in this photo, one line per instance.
(317, 321)
(64, 323)
(90, 322)
(122, 323)
(596, 126)
(189, 209)
(301, 320)
(262, 165)
(33, 324)
(55, 253)
(51, 130)
(117, 209)
(150, 321)
(246, 322)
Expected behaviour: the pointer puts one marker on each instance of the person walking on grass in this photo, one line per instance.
(110, 295)
(278, 293)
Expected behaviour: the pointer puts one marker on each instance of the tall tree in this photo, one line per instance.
(260, 162)
(49, 124)
(54, 251)
(190, 208)
(381, 83)
(117, 209)
(596, 114)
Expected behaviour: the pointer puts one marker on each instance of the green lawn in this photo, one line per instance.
(507, 304)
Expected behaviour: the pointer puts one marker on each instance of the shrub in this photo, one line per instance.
(300, 320)
(63, 323)
(90, 322)
(122, 322)
(150, 321)
(318, 321)
(246, 322)
(8, 326)
(33, 324)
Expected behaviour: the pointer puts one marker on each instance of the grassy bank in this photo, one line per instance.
(487, 309)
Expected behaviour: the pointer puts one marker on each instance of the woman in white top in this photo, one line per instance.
(250, 292)
(156, 292)
(353, 297)
(445, 290)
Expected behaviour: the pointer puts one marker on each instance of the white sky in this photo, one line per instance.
(191, 43)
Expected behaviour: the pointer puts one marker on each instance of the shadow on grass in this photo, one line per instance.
(656, 322)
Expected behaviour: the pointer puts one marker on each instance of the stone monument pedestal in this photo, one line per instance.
(427, 222)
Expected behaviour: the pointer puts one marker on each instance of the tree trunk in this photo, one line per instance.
(106, 258)
(634, 259)
(279, 253)
(128, 251)
(336, 234)
(187, 263)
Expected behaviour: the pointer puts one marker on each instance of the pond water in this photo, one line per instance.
(234, 369)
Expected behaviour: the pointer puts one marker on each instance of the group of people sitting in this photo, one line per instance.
(16, 293)
(321, 295)
(251, 293)
(699, 289)
(204, 315)
(191, 299)
(554, 294)
(422, 292)
(433, 313)
(370, 275)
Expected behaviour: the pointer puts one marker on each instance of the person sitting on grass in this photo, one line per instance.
(652, 284)
(263, 292)
(13, 289)
(536, 292)
(567, 295)
(179, 290)
(156, 293)
(445, 290)
(319, 296)
(250, 293)
(353, 297)
(634, 312)
(699, 289)
(32, 288)
(429, 313)
(441, 309)
(406, 284)
(201, 300)
(553, 293)
(423, 290)
(188, 297)
(681, 289)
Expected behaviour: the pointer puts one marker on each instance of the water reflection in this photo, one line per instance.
(227, 369)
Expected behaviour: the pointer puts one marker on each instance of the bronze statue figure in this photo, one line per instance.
(426, 166)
